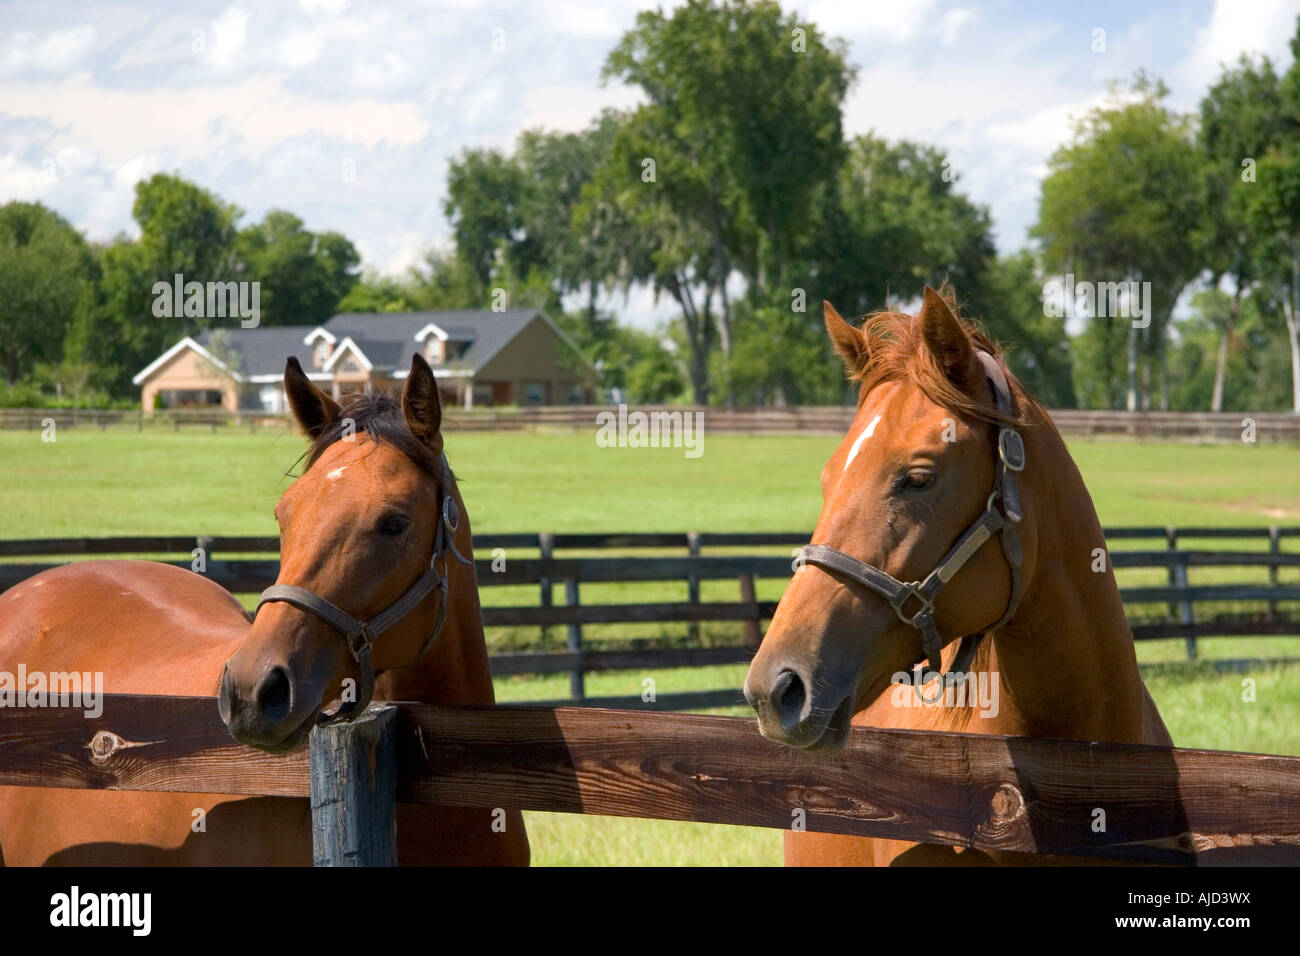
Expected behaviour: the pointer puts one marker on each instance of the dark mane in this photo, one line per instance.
(896, 351)
(379, 416)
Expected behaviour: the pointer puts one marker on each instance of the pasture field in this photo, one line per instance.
(195, 482)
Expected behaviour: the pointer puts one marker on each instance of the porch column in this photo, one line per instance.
(469, 394)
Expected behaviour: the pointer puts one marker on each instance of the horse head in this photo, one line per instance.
(364, 539)
(900, 494)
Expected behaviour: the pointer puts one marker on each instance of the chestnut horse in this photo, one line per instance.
(945, 441)
(356, 529)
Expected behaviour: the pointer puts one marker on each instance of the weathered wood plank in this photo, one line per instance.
(996, 793)
(354, 791)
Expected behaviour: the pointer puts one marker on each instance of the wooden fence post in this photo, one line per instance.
(753, 632)
(1178, 579)
(546, 548)
(574, 642)
(693, 583)
(354, 791)
(1274, 547)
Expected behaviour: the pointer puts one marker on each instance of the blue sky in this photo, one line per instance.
(347, 113)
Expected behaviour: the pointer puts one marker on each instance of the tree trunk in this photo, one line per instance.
(1132, 402)
(1221, 359)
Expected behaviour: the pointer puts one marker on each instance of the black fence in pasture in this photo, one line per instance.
(1164, 598)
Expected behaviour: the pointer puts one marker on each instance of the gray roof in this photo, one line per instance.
(387, 339)
(262, 351)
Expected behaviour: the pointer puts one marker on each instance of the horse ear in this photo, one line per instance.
(945, 337)
(849, 342)
(421, 403)
(314, 410)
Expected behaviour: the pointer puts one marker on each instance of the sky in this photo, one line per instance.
(347, 113)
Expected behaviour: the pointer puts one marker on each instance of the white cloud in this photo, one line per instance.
(1262, 26)
(53, 53)
(950, 25)
(569, 107)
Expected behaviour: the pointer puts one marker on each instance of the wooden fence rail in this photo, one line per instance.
(1018, 794)
(1177, 608)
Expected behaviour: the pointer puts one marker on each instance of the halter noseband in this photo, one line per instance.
(1009, 463)
(361, 635)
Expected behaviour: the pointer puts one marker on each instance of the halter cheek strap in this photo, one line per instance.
(1001, 514)
(361, 635)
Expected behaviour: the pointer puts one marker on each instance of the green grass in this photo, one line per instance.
(195, 482)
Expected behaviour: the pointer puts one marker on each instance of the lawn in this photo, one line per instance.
(196, 482)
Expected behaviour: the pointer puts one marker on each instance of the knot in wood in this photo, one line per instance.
(104, 744)
(1007, 804)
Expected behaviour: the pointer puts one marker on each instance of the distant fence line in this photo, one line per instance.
(814, 419)
(1173, 609)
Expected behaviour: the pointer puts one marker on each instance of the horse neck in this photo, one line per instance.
(455, 670)
(1067, 657)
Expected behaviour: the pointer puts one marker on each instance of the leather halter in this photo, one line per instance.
(1001, 514)
(361, 635)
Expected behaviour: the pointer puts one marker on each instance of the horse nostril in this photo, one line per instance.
(225, 696)
(274, 695)
(788, 697)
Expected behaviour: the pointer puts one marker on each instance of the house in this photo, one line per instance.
(515, 357)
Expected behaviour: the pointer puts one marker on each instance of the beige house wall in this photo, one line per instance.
(534, 356)
(187, 370)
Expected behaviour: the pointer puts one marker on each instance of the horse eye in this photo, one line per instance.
(393, 525)
(917, 480)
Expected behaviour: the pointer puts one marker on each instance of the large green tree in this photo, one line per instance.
(1122, 203)
(184, 229)
(47, 286)
(302, 275)
(1240, 118)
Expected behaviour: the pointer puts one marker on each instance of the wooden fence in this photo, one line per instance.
(1175, 608)
(805, 419)
(1020, 794)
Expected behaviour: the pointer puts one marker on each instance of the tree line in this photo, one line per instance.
(733, 193)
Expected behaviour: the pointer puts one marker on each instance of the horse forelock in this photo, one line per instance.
(380, 417)
(896, 351)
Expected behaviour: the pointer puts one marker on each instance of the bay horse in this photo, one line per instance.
(375, 509)
(955, 483)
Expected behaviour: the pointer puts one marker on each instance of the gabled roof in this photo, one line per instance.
(385, 341)
(167, 356)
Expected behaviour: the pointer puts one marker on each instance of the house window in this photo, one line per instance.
(322, 353)
(350, 367)
(534, 393)
(575, 394)
(432, 353)
(482, 394)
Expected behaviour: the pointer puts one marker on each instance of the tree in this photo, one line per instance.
(303, 275)
(47, 283)
(894, 222)
(742, 124)
(1241, 116)
(184, 229)
(1122, 202)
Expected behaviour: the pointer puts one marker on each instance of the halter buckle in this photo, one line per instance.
(913, 591)
(1011, 449)
(360, 641)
